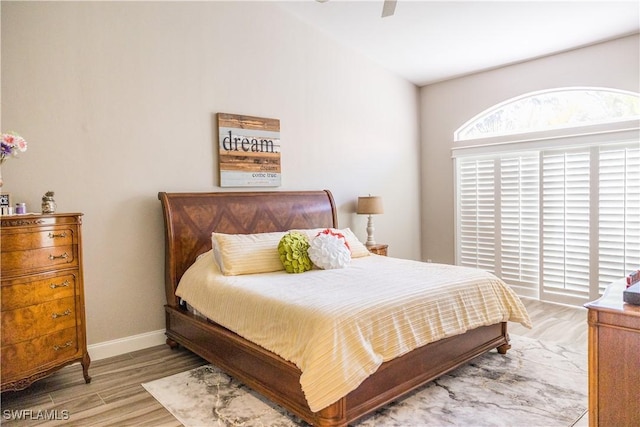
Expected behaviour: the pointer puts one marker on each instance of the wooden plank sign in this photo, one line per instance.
(249, 151)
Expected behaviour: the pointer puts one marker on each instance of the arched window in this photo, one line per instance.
(552, 109)
(548, 191)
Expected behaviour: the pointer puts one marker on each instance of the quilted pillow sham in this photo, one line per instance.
(237, 254)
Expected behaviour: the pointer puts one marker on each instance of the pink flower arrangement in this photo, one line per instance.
(10, 145)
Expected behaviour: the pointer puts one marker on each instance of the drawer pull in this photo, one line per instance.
(64, 284)
(65, 345)
(63, 256)
(65, 313)
(54, 235)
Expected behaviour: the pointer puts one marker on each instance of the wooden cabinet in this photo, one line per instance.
(43, 319)
(614, 360)
(378, 249)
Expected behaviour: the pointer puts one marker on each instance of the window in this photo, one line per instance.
(552, 109)
(553, 209)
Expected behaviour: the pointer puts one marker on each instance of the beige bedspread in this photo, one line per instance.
(338, 326)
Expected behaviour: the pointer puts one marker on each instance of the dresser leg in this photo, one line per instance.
(86, 361)
(172, 344)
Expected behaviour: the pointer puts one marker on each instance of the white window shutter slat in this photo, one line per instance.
(476, 201)
(619, 213)
(519, 222)
(565, 223)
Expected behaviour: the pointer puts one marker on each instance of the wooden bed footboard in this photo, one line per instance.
(279, 380)
(190, 218)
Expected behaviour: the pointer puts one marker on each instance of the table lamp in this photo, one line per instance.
(370, 205)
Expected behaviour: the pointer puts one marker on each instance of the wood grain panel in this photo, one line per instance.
(54, 236)
(247, 162)
(248, 122)
(29, 322)
(190, 219)
(23, 358)
(38, 259)
(618, 376)
(41, 288)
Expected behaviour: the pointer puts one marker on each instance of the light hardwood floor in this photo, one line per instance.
(557, 323)
(115, 396)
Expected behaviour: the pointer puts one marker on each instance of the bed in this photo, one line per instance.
(190, 219)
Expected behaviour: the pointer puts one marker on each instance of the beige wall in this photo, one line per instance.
(118, 100)
(448, 105)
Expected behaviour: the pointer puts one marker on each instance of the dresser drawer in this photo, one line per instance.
(38, 259)
(26, 357)
(25, 240)
(37, 289)
(35, 320)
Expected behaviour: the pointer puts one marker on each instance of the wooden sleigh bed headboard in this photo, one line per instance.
(190, 218)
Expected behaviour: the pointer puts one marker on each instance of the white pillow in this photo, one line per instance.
(329, 251)
(238, 254)
(358, 249)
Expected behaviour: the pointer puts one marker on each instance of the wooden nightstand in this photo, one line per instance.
(379, 249)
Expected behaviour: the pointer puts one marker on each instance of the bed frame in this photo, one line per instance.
(189, 220)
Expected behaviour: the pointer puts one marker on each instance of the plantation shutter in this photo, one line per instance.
(519, 222)
(476, 213)
(560, 225)
(549, 201)
(565, 225)
(619, 217)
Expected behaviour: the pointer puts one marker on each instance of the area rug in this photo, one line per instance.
(534, 384)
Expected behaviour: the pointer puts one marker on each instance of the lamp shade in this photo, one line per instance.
(370, 205)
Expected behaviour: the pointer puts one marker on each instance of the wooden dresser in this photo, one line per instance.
(614, 360)
(43, 320)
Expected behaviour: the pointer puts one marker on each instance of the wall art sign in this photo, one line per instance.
(249, 151)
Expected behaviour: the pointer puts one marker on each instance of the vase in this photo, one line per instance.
(48, 204)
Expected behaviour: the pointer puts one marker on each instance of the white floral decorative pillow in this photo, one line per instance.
(329, 250)
(358, 249)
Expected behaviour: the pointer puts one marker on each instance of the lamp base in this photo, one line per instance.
(370, 229)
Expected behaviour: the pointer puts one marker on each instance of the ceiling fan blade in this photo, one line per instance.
(388, 8)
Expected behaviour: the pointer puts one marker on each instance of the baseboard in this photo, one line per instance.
(126, 345)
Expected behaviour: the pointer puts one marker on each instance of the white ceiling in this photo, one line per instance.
(430, 41)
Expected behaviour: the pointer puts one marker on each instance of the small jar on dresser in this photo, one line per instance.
(43, 318)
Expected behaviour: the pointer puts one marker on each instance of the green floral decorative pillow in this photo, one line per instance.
(293, 249)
